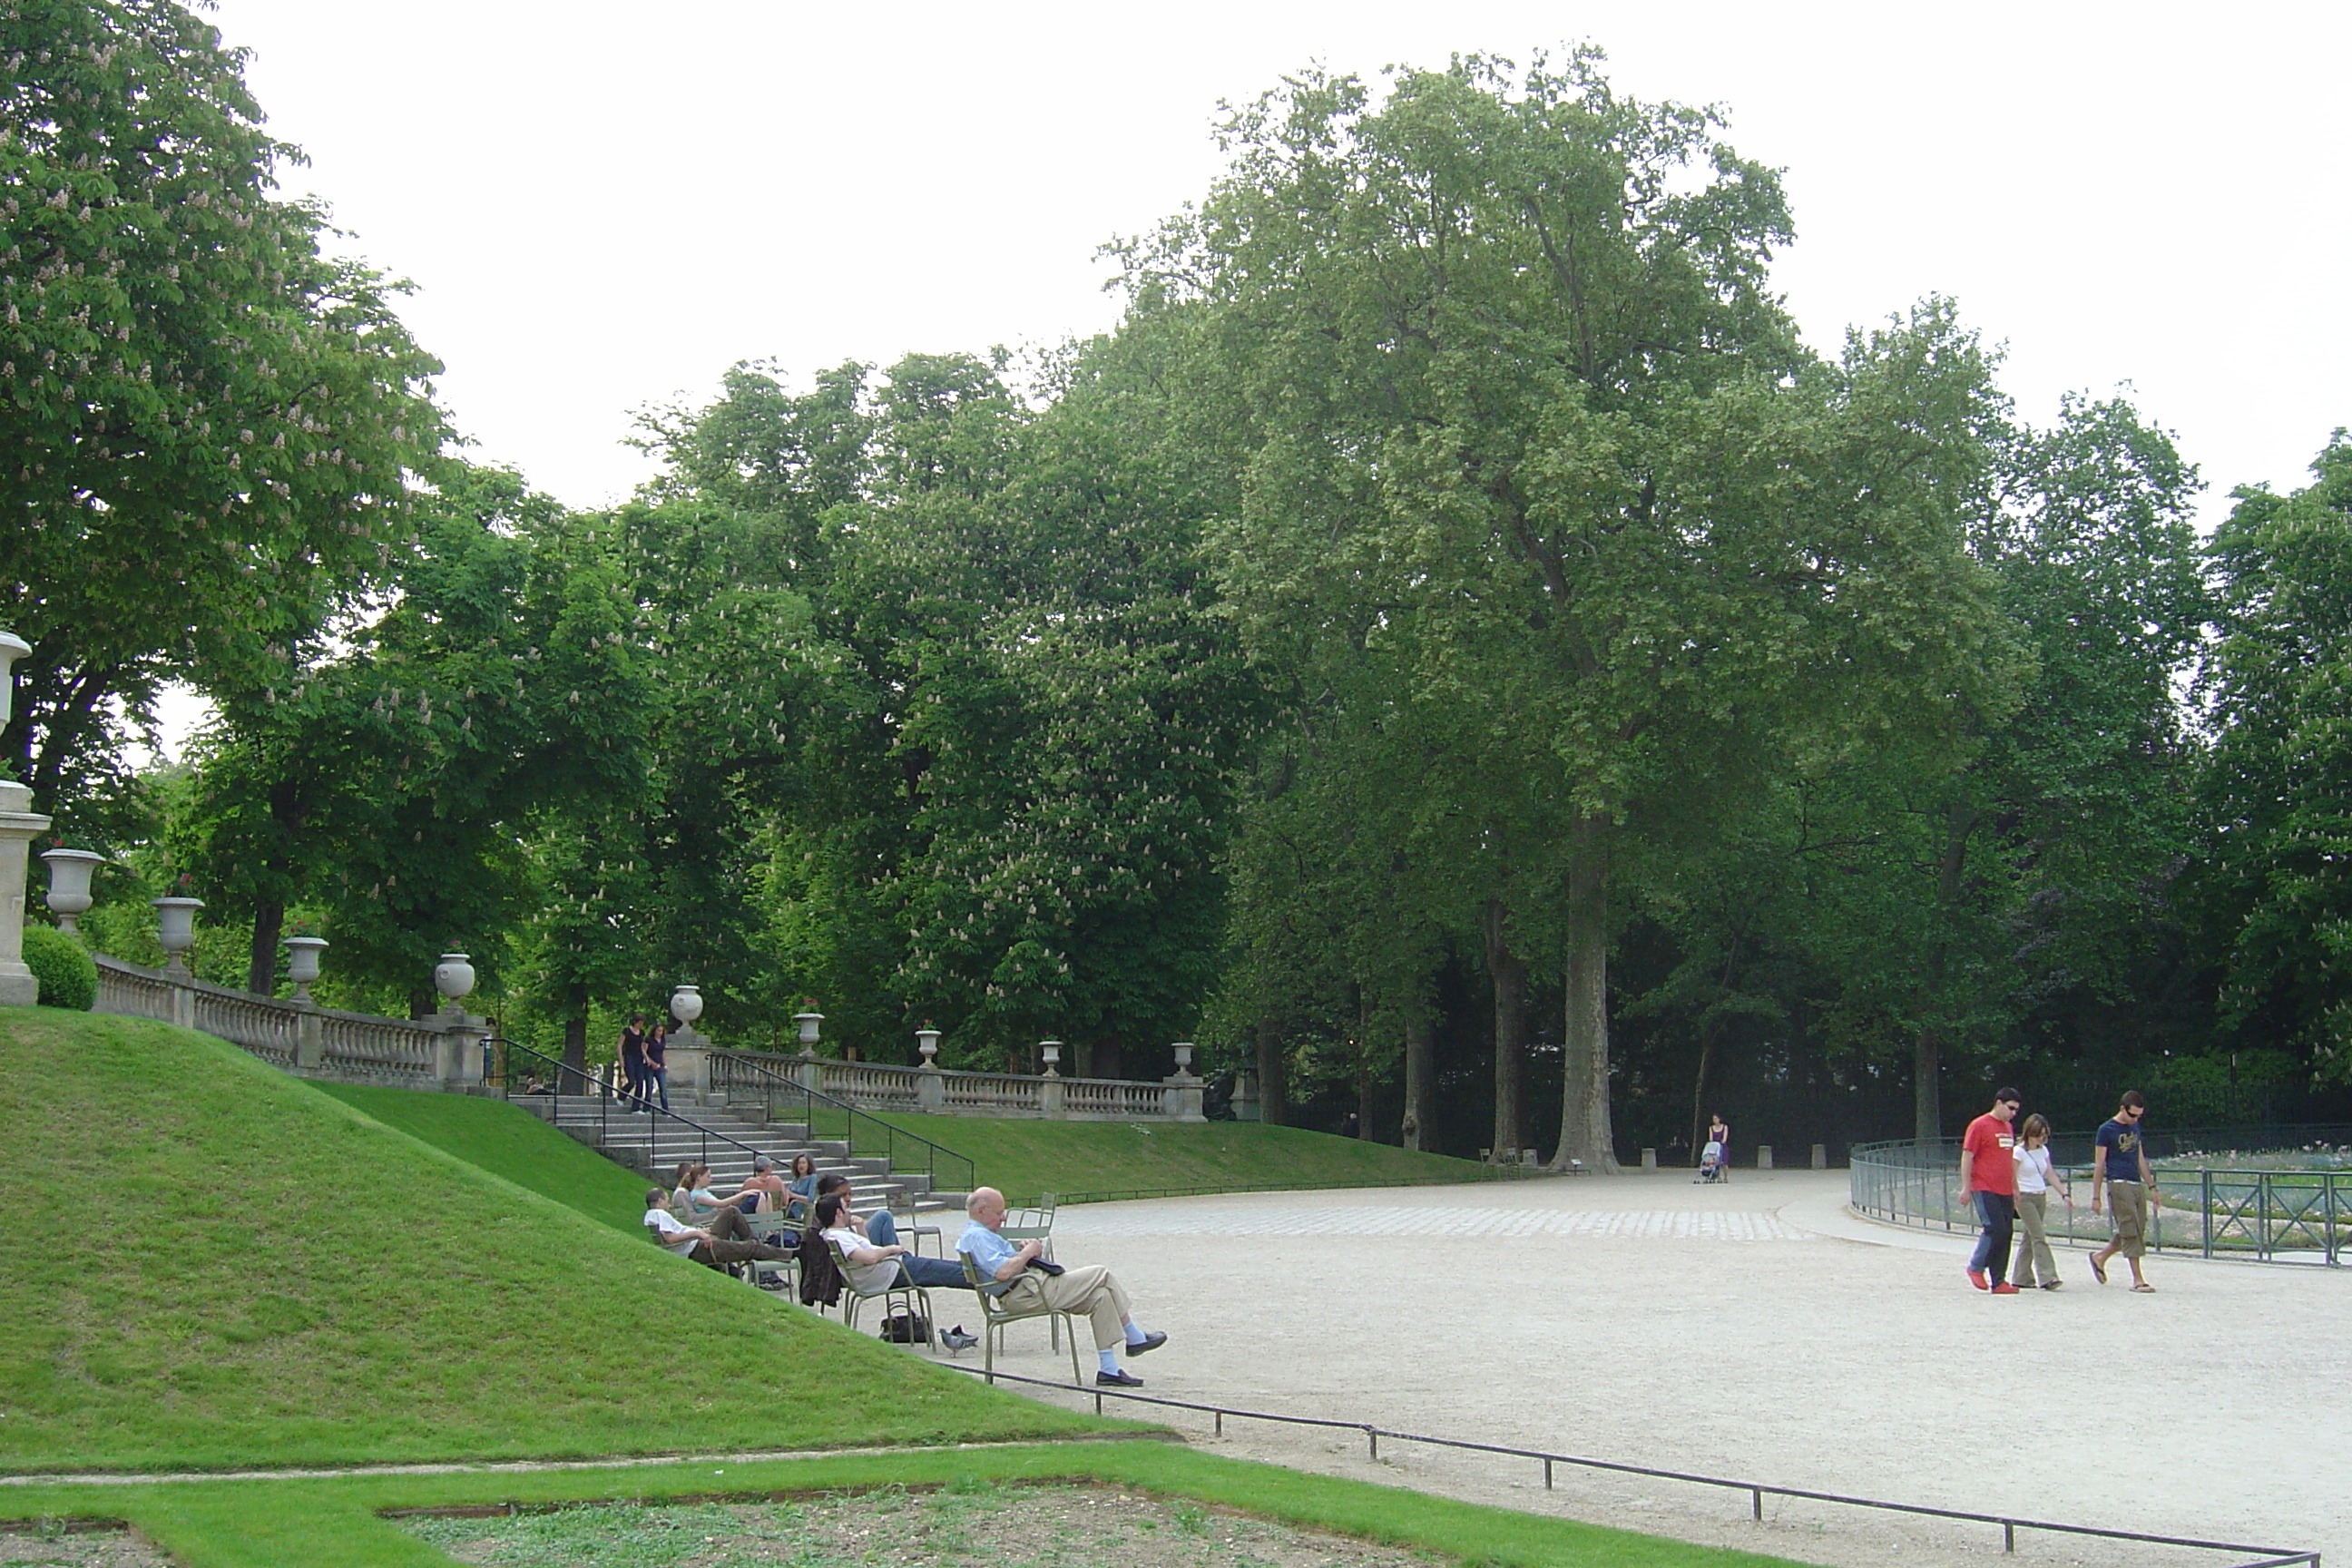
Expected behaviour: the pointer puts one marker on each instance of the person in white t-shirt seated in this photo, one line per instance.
(725, 1238)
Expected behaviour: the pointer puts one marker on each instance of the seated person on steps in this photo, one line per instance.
(879, 1233)
(726, 1238)
(1090, 1290)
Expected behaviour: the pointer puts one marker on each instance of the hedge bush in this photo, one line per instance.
(68, 979)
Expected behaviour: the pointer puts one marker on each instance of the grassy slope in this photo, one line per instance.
(511, 1143)
(205, 1263)
(1026, 1158)
(334, 1523)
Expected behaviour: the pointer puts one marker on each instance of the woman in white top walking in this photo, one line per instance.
(2035, 1176)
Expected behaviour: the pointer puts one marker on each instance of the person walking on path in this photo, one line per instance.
(2120, 1164)
(1989, 1181)
(656, 1074)
(2035, 1176)
(631, 1053)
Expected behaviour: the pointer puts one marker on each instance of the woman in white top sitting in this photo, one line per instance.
(2035, 1176)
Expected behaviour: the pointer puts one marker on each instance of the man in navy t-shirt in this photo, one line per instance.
(2120, 1164)
(1989, 1183)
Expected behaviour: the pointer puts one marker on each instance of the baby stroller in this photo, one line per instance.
(1711, 1166)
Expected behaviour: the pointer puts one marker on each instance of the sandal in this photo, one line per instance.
(2097, 1272)
(2145, 1288)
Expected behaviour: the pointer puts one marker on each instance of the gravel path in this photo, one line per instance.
(1755, 1330)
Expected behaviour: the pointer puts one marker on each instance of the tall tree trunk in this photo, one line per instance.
(1585, 1132)
(261, 958)
(1927, 1052)
(1698, 1088)
(1420, 1073)
(1273, 1082)
(1927, 1091)
(575, 1029)
(1510, 975)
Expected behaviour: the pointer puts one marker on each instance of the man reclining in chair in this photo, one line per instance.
(1028, 1282)
(726, 1239)
(879, 1232)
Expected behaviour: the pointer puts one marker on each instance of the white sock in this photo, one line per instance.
(1134, 1335)
(1107, 1360)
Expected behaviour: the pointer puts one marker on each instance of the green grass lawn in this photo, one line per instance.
(1024, 1158)
(510, 1142)
(336, 1523)
(206, 1263)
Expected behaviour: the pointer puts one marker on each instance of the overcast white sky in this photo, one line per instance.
(604, 206)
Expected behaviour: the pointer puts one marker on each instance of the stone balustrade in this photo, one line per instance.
(444, 1052)
(877, 1085)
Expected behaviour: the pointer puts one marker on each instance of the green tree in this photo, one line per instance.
(1510, 389)
(204, 421)
(2278, 690)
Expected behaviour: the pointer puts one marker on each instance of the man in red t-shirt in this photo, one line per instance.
(1989, 1180)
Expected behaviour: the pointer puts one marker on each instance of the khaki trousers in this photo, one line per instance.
(2032, 1241)
(1090, 1290)
(2127, 1205)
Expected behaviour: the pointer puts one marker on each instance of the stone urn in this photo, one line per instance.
(686, 1004)
(176, 929)
(69, 873)
(926, 1047)
(1184, 1050)
(1051, 1051)
(302, 963)
(808, 1023)
(454, 977)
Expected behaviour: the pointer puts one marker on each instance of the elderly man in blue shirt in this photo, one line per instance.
(1024, 1287)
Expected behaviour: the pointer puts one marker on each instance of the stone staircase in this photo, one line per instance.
(654, 1145)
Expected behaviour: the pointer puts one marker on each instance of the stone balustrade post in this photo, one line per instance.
(1821, 1156)
(1052, 1098)
(1763, 1156)
(1246, 1102)
(689, 1057)
(458, 1056)
(309, 1037)
(18, 827)
(1649, 1159)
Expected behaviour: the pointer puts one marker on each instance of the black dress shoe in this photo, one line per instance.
(1117, 1379)
(1150, 1341)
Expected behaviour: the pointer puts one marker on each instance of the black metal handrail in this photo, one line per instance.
(560, 1080)
(938, 1162)
(2263, 1556)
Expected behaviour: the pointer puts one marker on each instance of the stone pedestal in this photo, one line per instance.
(18, 829)
(1763, 1156)
(1821, 1156)
(309, 1038)
(1246, 1102)
(1649, 1159)
(1052, 1098)
(931, 1091)
(457, 1061)
(687, 1055)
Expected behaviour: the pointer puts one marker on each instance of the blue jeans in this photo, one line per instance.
(658, 1077)
(1997, 1212)
(931, 1273)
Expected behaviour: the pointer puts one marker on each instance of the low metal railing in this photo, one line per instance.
(624, 1123)
(743, 1078)
(2255, 1556)
(2263, 1215)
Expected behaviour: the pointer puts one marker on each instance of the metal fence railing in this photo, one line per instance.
(2263, 1215)
(2251, 1556)
(783, 1099)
